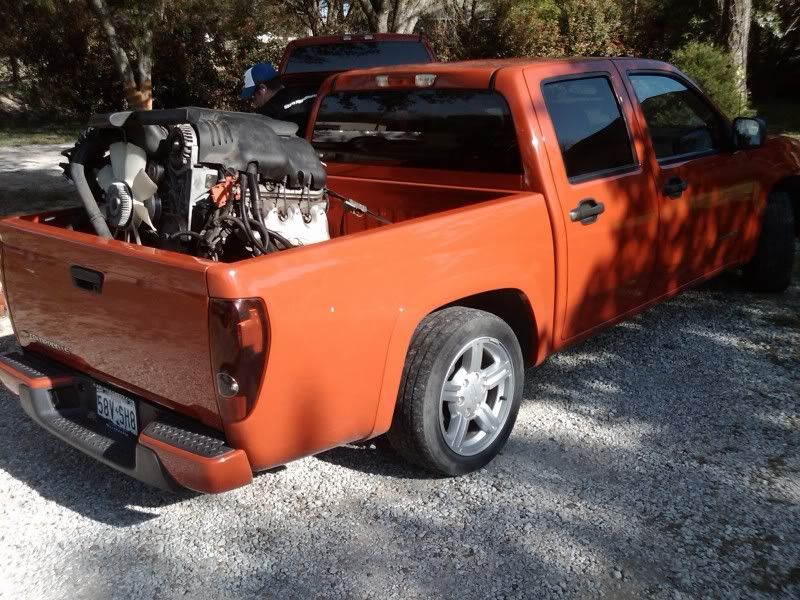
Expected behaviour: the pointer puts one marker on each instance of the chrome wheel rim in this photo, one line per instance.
(476, 397)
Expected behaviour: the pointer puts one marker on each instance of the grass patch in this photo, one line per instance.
(782, 116)
(22, 133)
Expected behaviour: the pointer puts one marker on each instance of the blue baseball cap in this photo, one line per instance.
(258, 73)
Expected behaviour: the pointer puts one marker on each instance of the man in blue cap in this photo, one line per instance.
(256, 84)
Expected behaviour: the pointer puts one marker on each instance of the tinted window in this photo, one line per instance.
(436, 129)
(679, 121)
(589, 126)
(355, 55)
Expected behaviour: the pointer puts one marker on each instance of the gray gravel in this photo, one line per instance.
(658, 459)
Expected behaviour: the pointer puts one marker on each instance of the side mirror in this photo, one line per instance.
(749, 132)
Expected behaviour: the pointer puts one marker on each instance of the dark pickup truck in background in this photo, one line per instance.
(307, 62)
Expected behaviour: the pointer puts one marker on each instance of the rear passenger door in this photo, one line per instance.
(608, 204)
(706, 192)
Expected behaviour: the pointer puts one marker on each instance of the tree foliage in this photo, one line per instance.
(398, 16)
(465, 29)
(208, 53)
(60, 56)
(320, 17)
(63, 62)
(132, 45)
(714, 71)
(592, 27)
(775, 49)
(506, 28)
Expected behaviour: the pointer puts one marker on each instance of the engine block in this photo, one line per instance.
(221, 185)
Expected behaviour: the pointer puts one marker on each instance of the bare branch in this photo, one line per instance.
(117, 53)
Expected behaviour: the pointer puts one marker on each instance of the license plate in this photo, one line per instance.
(117, 411)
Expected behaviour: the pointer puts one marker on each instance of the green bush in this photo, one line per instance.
(65, 70)
(536, 28)
(713, 70)
(591, 27)
(498, 29)
(200, 58)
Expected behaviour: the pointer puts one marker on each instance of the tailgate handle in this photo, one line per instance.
(86, 279)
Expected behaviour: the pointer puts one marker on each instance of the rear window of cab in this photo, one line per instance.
(460, 130)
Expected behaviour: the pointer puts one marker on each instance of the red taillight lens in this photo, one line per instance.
(239, 341)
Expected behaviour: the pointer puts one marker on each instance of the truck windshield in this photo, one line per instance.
(462, 130)
(343, 56)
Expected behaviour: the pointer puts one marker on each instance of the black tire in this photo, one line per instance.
(770, 269)
(416, 434)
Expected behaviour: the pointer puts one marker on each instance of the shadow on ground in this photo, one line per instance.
(62, 474)
(656, 459)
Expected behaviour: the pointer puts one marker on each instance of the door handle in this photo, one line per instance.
(674, 187)
(86, 279)
(587, 211)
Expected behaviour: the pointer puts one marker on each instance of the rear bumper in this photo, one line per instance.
(170, 452)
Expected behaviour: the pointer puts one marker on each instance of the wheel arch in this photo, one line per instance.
(510, 304)
(513, 307)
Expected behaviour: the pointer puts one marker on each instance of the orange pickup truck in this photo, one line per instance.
(470, 220)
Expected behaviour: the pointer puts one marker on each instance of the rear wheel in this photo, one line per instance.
(770, 269)
(460, 391)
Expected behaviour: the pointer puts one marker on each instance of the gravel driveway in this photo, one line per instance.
(659, 459)
(31, 180)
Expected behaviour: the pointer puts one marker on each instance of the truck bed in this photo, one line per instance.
(394, 200)
(400, 201)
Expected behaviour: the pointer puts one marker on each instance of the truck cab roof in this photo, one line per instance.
(477, 74)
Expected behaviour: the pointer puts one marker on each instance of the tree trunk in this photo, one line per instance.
(741, 12)
(407, 14)
(145, 91)
(137, 95)
(15, 78)
(320, 18)
(408, 25)
(736, 18)
(377, 12)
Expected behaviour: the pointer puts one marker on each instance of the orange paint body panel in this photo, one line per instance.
(208, 475)
(353, 337)
(341, 313)
(13, 379)
(146, 332)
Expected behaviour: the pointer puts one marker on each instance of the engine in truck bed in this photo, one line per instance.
(215, 184)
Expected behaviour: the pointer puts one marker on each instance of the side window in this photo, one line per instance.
(680, 122)
(589, 126)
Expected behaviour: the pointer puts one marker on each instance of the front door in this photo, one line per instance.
(606, 193)
(706, 192)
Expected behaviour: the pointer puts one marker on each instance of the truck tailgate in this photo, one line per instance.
(130, 315)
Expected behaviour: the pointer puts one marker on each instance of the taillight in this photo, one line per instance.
(239, 338)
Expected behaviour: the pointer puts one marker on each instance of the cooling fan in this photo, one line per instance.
(127, 187)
